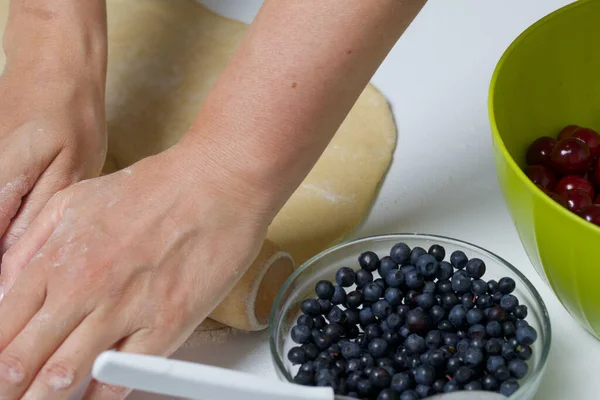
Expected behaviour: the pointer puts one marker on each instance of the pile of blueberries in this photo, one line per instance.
(424, 326)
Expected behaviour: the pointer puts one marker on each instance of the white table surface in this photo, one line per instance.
(443, 180)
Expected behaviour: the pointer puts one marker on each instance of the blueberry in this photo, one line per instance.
(345, 277)
(427, 266)
(382, 309)
(367, 360)
(474, 316)
(354, 364)
(373, 331)
(322, 340)
(444, 286)
(484, 301)
(305, 320)
(502, 373)
(418, 321)
(402, 310)
(506, 285)
(458, 259)
(351, 317)
(457, 316)
(520, 311)
(311, 307)
(413, 279)
(372, 292)
(354, 299)
(497, 297)
(524, 352)
(445, 326)
(438, 386)
(369, 261)
(304, 378)
(381, 283)
(437, 313)
(518, 368)
(437, 358)
(438, 252)
(473, 385)
(463, 375)
(429, 287)
(477, 331)
(400, 253)
(363, 277)
(451, 386)
(394, 278)
(319, 322)
(380, 378)
(473, 356)
(394, 321)
(509, 302)
(297, 355)
(351, 331)
(364, 387)
(410, 298)
(493, 346)
(394, 296)
(339, 295)
(526, 335)
(415, 254)
(334, 351)
(492, 286)
(445, 271)
(497, 313)
(508, 329)
(478, 343)
(462, 346)
(353, 380)
(494, 329)
(521, 323)
(490, 383)
(392, 338)
(453, 364)
(434, 339)
(301, 334)
(388, 394)
(386, 264)
(415, 344)
(449, 300)
(325, 306)
(409, 395)
(324, 289)
(424, 375)
(366, 316)
(312, 351)
(336, 315)
(426, 300)
(334, 330)
(378, 347)
(507, 388)
(404, 331)
(468, 300)
(423, 391)
(479, 287)
(461, 283)
(308, 367)
(475, 268)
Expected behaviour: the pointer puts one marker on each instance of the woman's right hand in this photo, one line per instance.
(52, 134)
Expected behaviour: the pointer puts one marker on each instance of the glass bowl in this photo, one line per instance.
(300, 286)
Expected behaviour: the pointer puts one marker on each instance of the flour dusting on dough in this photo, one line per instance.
(328, 195)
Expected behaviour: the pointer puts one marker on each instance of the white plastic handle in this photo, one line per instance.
(195, 381)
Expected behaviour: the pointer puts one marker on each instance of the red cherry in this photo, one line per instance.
(556, 197)
(591, 214)
(589, 137)
(596, 173)
(570, 156)
(577, 200)
(567, 131)
(541, 176)
(539, 151)
(597, 201)
(571, 182)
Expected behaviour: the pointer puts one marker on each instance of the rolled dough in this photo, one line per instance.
(164, 57)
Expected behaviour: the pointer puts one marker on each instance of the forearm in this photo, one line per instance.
(57, 38)
(290, 85)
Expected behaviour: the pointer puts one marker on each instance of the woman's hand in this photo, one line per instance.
(134, 260)
(52, 134)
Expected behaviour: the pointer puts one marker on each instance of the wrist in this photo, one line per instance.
(54, 40)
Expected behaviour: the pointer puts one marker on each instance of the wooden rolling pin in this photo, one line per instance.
(248, 305)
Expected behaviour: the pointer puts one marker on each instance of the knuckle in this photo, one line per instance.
(11, 369)
(57, 376)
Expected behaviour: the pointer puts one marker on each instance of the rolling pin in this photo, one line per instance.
(248, 305)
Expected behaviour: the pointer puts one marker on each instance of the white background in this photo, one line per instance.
(443, 180)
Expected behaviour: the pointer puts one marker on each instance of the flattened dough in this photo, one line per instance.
(165, 55)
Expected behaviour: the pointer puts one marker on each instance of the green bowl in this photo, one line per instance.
(549, 78)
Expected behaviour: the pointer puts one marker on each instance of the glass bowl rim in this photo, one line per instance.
(546, 329)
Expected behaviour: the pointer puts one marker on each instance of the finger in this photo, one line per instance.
(29, 245)
(50, 182)
(142, 342)
(67, 369)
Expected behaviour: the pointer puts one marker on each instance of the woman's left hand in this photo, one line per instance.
(133, 261)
